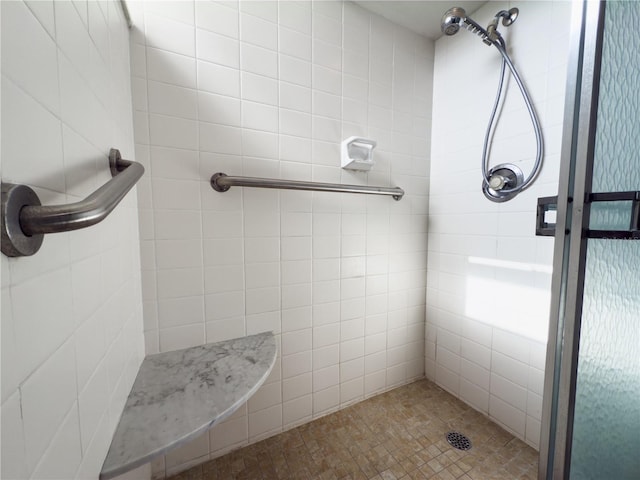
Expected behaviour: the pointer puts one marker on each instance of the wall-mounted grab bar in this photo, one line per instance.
(221, 183)
(25, 220)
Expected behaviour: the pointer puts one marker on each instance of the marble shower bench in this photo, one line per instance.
(179, 395)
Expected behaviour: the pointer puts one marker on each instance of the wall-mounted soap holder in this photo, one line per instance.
(357, 153)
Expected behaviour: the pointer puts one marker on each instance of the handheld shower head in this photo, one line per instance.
(452, 19)
(456, 17)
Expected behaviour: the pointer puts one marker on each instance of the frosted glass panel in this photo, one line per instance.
(610, 216)
(606, 435)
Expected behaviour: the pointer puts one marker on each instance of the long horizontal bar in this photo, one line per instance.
(25, 220)
(221, 183)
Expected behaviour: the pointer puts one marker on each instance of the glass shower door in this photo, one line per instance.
(606, 424)
(591, 419)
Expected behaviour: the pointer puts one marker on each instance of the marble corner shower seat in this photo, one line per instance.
(180, 394)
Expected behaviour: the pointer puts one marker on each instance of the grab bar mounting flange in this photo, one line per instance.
(25, 220)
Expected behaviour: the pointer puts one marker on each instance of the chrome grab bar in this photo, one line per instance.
(25, 220)
(220, 182)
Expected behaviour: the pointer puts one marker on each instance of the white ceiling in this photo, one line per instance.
(422, 17)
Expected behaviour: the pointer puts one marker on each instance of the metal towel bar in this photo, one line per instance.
(221, 183)
(25, 220)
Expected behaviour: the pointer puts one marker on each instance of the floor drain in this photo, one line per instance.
(459, 441)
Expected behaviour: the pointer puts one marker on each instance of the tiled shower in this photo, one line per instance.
(363, 292)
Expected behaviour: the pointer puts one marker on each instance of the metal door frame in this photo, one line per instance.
(581, 105)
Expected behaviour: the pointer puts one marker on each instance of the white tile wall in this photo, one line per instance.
(270, 90)
(489, 277)
(72, 328)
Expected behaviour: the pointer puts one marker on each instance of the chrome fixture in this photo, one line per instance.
(502, 182)
(25, 220)
(220, 182)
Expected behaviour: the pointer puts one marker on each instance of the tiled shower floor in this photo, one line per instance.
(395, 435)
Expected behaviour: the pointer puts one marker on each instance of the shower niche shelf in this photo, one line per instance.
(179, 395)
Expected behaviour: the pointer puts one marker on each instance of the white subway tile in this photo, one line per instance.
(324, 292)
(259, 117)
(92, 404)
(375, 362)
(173, 132)
(259, 88)
(326, 313)
(171, 68)
(178, 253)
(217, 17)
(297, 411)
(180, 311)
(351, 369)
(51, 316)
(327, 55)
(509, 416)
(218, 79)
(447, 379)
(296, 319)
(532, 435)
(258, 31)
(296, 342)
(259, 60)
(295, 123)
(32, 141)
(353, 308)
(220, 138)
(326, 400)
(264, 421)
(227, 329)
(326, 356)
(170, 35)
(265, 322)
(294, 296)
(263, 145)
(535, 381)
(327, 29)
(62, 457)
(352, 287)
(509, 368)
(326, 335)
(296, 387)
(352, 391)
(351, 350)
(294, 44)
(233, 431)
(172, 100)
(184, 336)
(215, 48)
(375, 324)
(296, 364)
(375, 383)
(327, 80)
(180, 282)
(13, 447)
(325, 377)
(474, 395)
(262, 274)
(515, 346)
(30, 59)
(261, 300)
(55, 380)
(268, 395)
(295, 70)
(509, 392)
(195, 448)
(262, 249)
